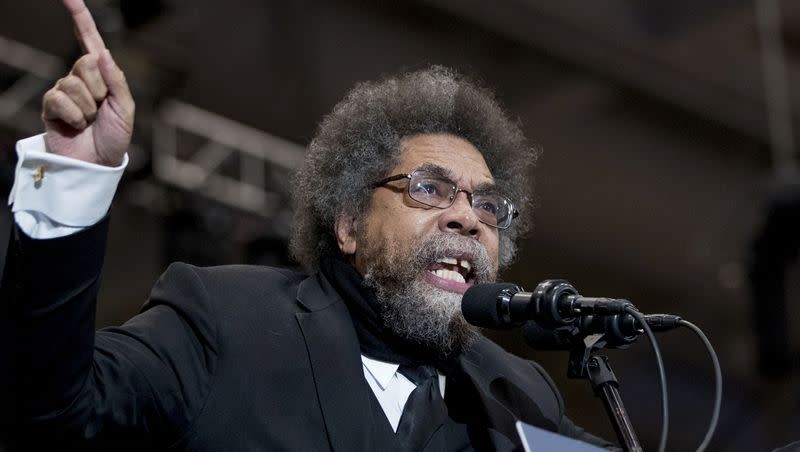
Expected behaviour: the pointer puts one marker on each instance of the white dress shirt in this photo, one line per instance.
(55, 196)
(391, 388)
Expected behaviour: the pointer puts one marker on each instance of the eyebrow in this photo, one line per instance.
(437, 170)
(446, 173)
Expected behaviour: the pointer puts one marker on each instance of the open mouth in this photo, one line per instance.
(452, 268)
(454, 274)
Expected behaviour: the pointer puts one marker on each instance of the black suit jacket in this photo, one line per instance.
(233, 358)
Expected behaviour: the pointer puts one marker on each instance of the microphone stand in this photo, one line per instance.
(585, 364)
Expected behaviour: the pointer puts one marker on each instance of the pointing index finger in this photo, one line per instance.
(85, 28)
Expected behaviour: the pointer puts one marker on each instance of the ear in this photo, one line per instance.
(345, 228)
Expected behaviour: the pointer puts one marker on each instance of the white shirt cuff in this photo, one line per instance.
(54, 196)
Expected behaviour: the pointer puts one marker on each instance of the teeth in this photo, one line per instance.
(449, 274)
(463, 263)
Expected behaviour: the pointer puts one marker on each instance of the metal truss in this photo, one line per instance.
(28, 73)
(234, 164)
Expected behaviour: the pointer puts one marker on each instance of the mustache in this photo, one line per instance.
(442, 244)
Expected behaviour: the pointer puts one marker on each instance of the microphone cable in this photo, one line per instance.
(717, 383)
(617, 331)
(662, 376)
(666, 322)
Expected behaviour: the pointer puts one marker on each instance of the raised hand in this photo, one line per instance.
(88, 114)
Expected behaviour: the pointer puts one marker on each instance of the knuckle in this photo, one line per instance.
(85, 63)
(69, 83)
(50, 96)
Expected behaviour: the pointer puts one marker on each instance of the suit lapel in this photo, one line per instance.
(335, 358)
(489, 401)
(479, 394)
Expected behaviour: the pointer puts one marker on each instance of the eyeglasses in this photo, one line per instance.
(434, 190)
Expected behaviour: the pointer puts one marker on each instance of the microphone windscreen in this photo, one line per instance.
(479, 304)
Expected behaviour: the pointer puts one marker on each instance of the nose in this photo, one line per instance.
(460, 218)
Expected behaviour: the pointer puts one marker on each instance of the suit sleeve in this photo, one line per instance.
(63, 382)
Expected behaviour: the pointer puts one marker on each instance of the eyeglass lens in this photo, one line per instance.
(436, 191)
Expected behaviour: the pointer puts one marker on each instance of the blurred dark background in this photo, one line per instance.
(664, 179)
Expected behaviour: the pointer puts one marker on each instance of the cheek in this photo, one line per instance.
(421, 223)
(387, 228)
(404, 225)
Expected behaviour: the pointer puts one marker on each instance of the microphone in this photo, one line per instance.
(555, 317)
(619, 330)
(554, 303)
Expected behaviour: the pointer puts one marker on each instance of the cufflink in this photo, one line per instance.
(38, 176)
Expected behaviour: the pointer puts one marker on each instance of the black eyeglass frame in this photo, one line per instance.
(409, 176)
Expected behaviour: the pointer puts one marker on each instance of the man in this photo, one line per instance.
(409, 194)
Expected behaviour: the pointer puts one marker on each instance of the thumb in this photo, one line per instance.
(118, 88)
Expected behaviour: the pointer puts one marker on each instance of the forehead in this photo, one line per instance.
(456, 155)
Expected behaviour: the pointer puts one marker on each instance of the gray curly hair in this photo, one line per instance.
(359, 142)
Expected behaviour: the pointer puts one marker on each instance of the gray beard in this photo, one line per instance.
(414, 310)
